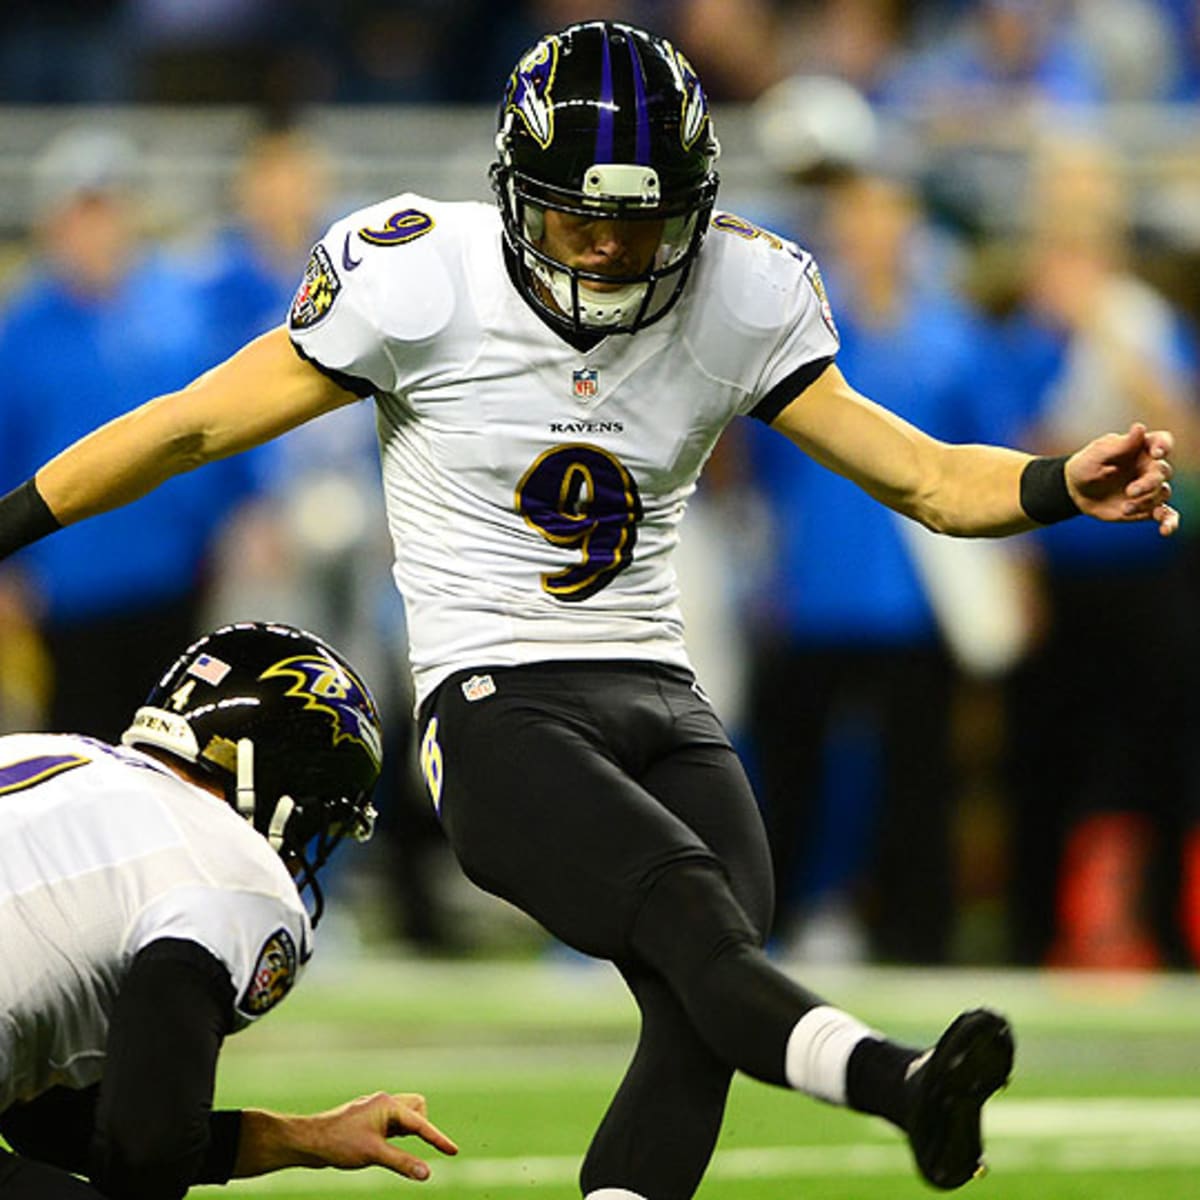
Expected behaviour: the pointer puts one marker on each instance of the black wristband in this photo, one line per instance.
(24, 517)
(1044, 494)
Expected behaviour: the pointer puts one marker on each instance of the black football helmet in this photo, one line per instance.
(286, 727)
(604, 120)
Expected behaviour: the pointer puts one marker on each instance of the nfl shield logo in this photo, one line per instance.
(587, 382)
(478, 687)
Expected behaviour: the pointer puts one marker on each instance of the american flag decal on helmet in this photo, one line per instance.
(211, 670)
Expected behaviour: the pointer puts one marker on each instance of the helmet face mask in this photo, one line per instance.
(604, 122)
(286, 729)
(591, 300)
(306, 853)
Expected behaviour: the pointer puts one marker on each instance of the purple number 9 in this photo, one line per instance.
(582, 497)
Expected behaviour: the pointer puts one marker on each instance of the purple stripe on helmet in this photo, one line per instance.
(604, 128)
(641, 146)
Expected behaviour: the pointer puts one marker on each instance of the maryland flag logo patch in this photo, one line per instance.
(317, 291)
(273, 976)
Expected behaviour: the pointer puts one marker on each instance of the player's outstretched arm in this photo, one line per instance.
(978, 490)
(356, 1134)
(262, 391)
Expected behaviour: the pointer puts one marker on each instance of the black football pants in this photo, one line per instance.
(605, 801)
(26, 1179)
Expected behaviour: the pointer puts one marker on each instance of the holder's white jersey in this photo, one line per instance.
(534, 491)
(103, 851)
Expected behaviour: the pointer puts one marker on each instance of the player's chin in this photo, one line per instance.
(611, 277)
(602, 289)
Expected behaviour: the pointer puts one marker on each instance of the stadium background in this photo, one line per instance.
(514, 1041)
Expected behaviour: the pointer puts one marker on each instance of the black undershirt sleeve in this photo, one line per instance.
(54, 1127)
(788, 388)
(155, 1133)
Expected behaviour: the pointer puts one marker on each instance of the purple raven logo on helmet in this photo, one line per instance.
(529, 91)
(326, 686)
(694, 114)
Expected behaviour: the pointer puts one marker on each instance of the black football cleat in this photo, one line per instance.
(947, 1088)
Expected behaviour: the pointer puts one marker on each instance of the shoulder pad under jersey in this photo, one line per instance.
(757, 307)
(387, 273)
(761, 280)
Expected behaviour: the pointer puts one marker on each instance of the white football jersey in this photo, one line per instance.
(103, 851)
(534, 491)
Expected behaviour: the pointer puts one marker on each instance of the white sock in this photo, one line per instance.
(613, 1194)
(818, 1050)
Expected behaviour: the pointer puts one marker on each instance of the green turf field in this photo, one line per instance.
(518, 1061)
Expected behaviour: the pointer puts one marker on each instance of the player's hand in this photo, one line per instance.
(357, 1134)
(1126, 477)
(353, 1135)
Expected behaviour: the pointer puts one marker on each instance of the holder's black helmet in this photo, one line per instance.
(286, 727)
(604, 120)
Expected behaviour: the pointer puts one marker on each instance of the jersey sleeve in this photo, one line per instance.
(377, 289)
(262, 941)
(330, 320)
(761, 320)
(808, 339)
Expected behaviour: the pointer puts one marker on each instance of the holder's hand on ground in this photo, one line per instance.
(351, 1136)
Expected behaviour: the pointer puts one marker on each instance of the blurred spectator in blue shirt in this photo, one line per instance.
(102, 323)
(280, 202)
(314, 547)
(849, 650)
(1090, 345)
(312, 523)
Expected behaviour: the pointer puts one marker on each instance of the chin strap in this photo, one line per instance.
(597, 310)
(279, 819)
(247, 800)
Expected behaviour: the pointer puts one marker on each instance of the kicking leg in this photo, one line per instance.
(609, 806)
(761, 1021)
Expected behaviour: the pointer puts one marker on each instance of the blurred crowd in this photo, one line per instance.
(948, 738)
(450, 51)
